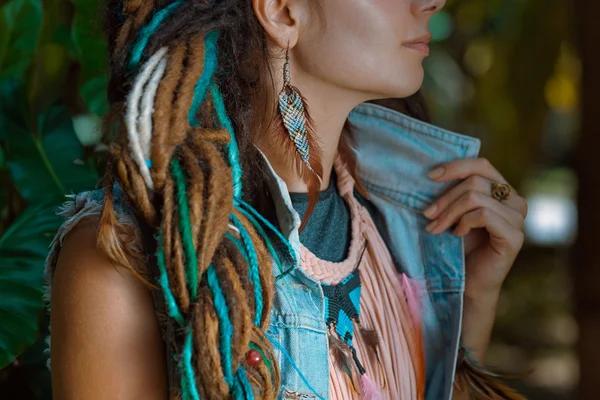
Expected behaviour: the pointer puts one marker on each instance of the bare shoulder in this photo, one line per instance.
(106, 342)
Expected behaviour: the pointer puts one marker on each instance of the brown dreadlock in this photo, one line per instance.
(193, 184)
(200, 153)
(189, 165)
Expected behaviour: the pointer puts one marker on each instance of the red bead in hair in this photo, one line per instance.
(253, 357)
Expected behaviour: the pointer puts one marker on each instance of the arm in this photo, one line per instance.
(491, 222)
(478, 321)
(106, 342)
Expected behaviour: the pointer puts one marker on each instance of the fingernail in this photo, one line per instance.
(437, 173)
(430, 210)
(431, 226)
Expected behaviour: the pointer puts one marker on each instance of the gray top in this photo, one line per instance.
(328, 231)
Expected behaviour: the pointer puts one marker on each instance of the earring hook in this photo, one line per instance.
(287, 78)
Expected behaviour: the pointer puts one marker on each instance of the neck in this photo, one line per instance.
(329, 110)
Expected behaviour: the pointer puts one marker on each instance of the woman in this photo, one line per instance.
(244, 248)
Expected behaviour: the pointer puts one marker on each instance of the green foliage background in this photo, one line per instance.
(52, 80)
(502, 70)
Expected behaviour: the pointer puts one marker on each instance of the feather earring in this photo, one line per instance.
(293, 112)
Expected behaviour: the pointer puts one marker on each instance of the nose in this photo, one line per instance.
(429, 6)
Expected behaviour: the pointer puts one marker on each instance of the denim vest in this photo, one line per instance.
(394, 154)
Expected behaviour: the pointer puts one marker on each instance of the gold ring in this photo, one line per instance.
(500, 191)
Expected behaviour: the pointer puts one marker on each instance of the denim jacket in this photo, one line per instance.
(394, 154)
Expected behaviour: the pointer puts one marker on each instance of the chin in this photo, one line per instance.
(401, 86)
(398, 92)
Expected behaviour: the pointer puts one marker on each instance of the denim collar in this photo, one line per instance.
(394, 154)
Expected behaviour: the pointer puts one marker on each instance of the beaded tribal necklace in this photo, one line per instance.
(342, 312)
(342, 307)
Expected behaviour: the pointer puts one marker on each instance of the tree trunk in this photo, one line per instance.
(586, 268)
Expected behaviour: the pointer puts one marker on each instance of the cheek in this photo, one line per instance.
(361, 47)
(399, 75)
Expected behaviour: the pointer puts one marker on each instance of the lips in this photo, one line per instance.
(420, 44)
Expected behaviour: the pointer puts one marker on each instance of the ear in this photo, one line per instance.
(282, 19)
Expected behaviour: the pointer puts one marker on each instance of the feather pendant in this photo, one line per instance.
(342, 357)
(368, 389)
(370, 338)
(301, 143)
(483, 384)
(411, 294)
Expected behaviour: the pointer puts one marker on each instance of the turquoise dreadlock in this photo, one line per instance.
(178, 160)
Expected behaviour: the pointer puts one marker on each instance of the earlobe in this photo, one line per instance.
(279, 19)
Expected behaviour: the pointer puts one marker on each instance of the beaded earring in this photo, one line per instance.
(294, 115)
(303, 143)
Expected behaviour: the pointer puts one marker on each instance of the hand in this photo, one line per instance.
(493, 230)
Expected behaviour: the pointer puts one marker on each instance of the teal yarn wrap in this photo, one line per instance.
(188, 381)
(242, 377)
(242, 389)
(210, 66)
(163, 279)
(233, 153)
(263, 234)
(225, 327)
(237, 391)
(253, 268)
(137, 50)
(267, 223)
(191, 265)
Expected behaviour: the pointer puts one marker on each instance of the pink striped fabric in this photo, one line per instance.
(383, 307)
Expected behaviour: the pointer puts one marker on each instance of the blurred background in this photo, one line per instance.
(519, 74)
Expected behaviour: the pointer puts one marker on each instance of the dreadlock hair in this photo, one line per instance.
(189, 97)
(188, 92)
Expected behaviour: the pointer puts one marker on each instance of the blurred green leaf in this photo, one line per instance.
(34, 361)
(88, 129)
(92, 53)
(20, 23)
(13, 107)
(94, 94)
(440, 26)
(48, 163)
(23, 249)
(4, 35)
(44, 157)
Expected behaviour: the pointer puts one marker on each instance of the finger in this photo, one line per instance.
(500, 230)
(469, 201)
(465, 167)
(473, 183)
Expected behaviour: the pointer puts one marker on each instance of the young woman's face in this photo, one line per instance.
(373, 47)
